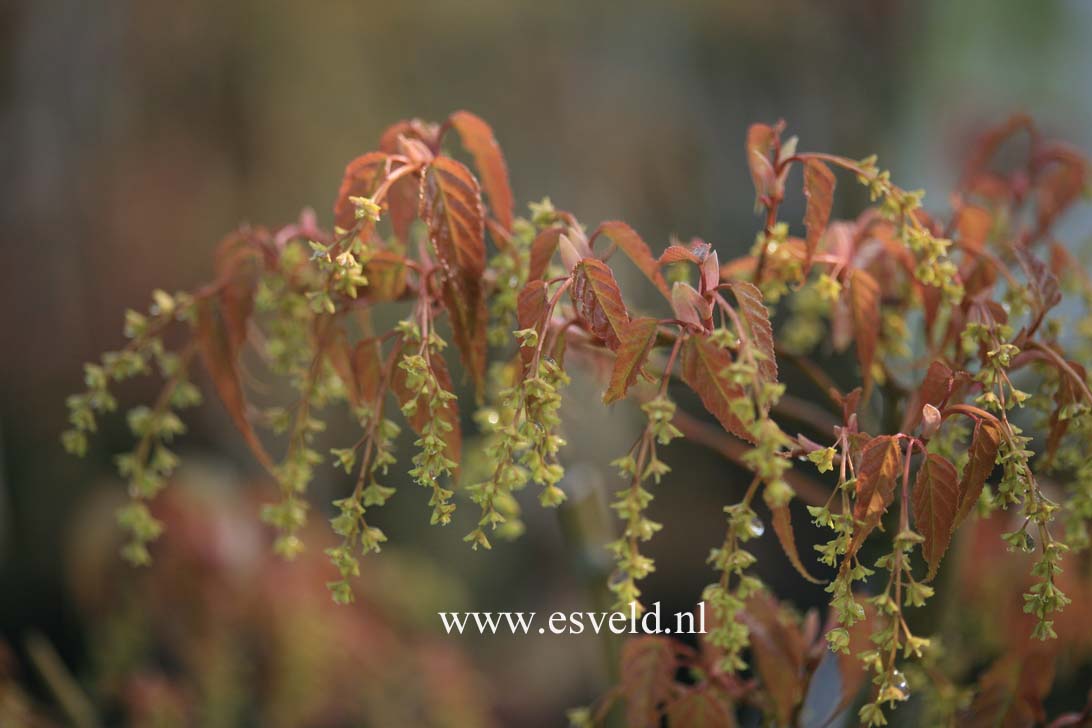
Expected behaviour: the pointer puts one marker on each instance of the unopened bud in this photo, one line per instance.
(930, 420)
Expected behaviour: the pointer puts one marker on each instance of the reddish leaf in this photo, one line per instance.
(633, 246)
(704, 708)
(598, 301)
(677, 254)
(478, 139)
(452, 208)
(367, 367)
(1060, 185)
(403, 202)
(1010, 694)
(531, 305)
(934, 390)
(530, 311)
(703, 367)
(648, 670)
(1043, 283)
(782, 523)
(981, 457)
(362, 176)
(386, 274)
(974, 225)
(690, 306)
(757, 316)
(637, 340)
(935, 498)
(335, 348)
(221, 361)
(760, 142)
(876, 474)
(542, 250)
(779, 655)
(819, 190)
(864, 307)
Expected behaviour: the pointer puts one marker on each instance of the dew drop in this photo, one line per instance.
(1028, 545)
(756, 528)
(899, 683)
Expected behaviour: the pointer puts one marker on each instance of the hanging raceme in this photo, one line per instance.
(963, 369)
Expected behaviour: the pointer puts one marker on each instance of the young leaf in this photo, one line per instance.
(703, 369)
(760, 141)
(690, 306)
(477, 137)
(542, 250)
(598, 301)
(386, 274)
(220, 358)
(782, 524)
(648, 669)
(452, 207)
(530, 311)
(637, 341)
(637, 250)
(819, 190)
(757, 316)
(876, 475)
(864, 306)
(981, 457)
(367, 366)
(360, 180)
(531, 304)
(705, 708)
(677, 254)
(935, 498)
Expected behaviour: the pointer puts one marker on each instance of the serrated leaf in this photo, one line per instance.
(877, 472)
(678, 254)
(782, 524)
(935, 498)
(981, 457)
(757, 317)
(819, 185)
(638, 339)
(598, 301)
(704, 708)
(452, 207)
(648, 670)
(627, 239)
(864, 307)
(221, 361)
(477, 137)
(361, 177)
(543, 248)
(703, 367)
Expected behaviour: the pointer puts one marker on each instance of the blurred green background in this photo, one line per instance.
(135, 134)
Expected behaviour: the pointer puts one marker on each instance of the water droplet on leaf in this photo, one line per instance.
(756, 528)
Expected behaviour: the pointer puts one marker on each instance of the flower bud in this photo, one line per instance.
(930, 420)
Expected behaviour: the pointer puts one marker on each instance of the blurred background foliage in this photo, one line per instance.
(136, 134)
